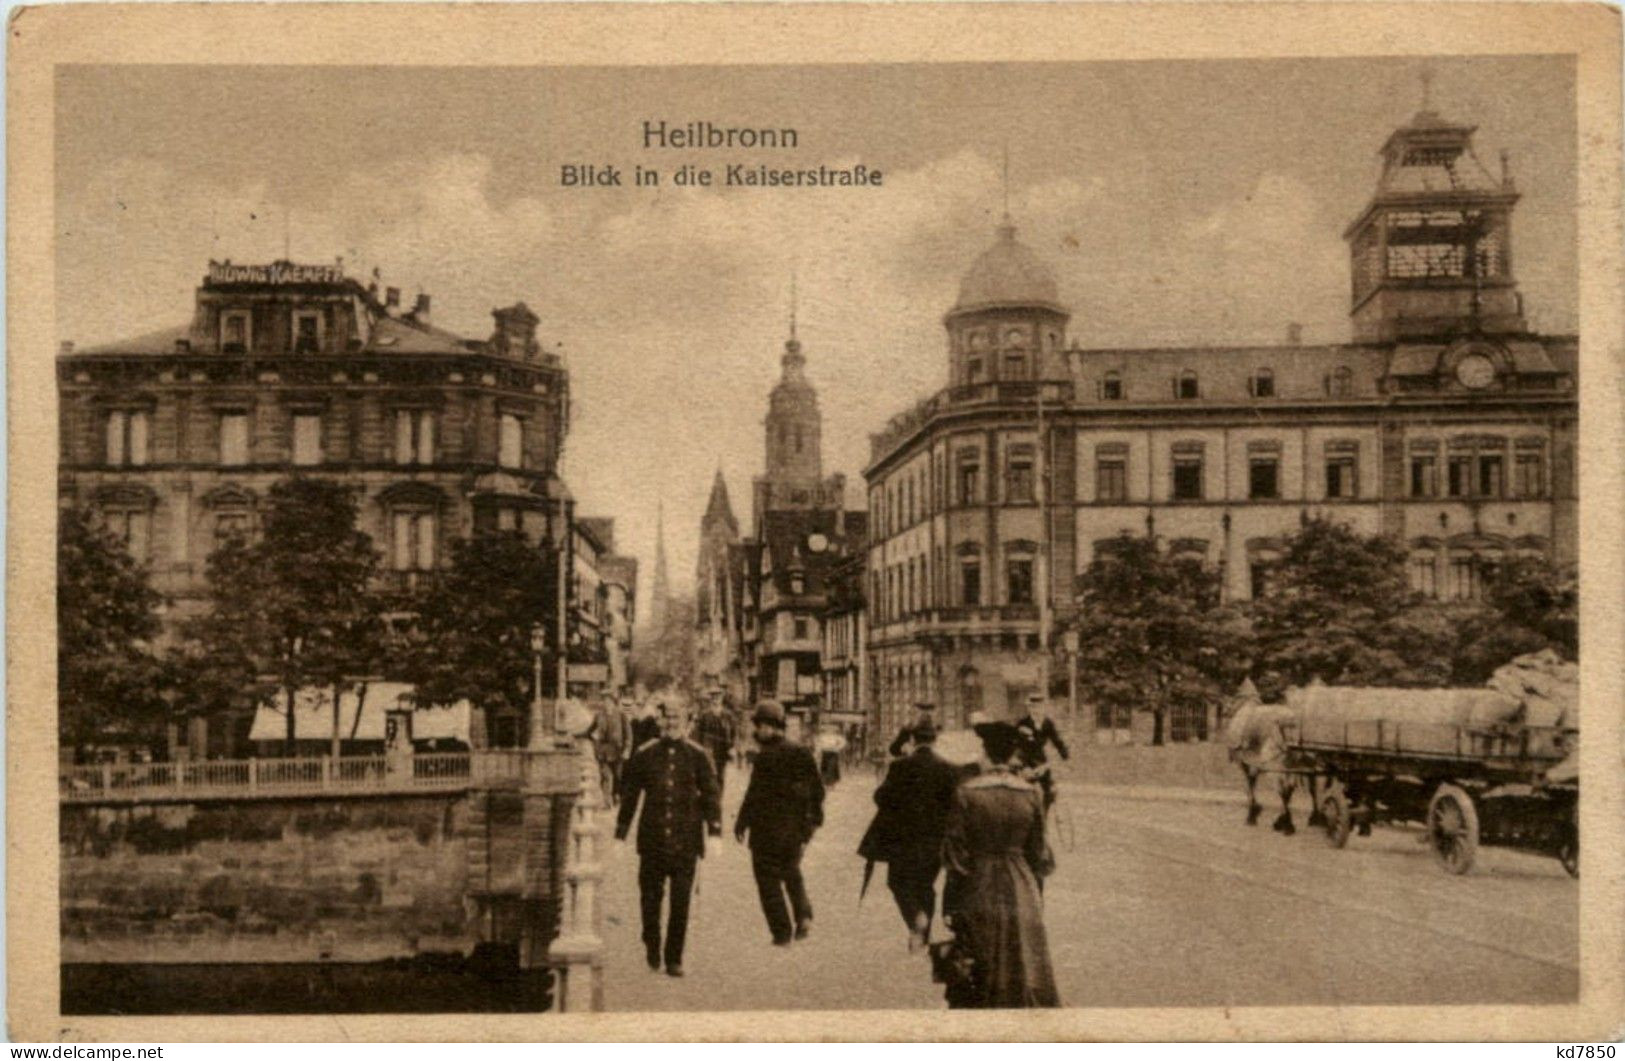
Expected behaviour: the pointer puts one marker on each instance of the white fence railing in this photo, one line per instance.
(251, 778)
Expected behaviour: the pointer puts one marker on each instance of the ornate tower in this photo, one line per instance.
(1431, 254)
(794, 442)
(1008, 323)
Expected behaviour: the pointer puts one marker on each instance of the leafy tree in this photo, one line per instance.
(108, 676)
(472, 637)
(1153, 633)
(294, 609)
(1338, 608)
(1540, 596)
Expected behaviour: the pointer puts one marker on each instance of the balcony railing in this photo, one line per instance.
(1055, 393)
(258, 778)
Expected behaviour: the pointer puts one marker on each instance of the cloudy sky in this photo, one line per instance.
(1191, 202)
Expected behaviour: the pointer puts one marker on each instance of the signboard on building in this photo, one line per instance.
(274, 273)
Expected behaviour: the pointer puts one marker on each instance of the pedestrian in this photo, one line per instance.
(674, 781)
(901, 743)
(611, 736)
(995, 850)
(1035, 730)
(714, 731)
(783, 806)
(913, 803)
(830, 745)
(646, 727)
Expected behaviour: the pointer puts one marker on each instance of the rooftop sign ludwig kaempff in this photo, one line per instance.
(274, 273)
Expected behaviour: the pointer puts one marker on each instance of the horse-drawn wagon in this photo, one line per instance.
(1489, 766)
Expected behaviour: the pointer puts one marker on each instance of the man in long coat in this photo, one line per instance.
(714, 731)
(914, 801)
(783, 806)
(674, 781)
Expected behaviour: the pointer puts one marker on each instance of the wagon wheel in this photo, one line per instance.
(1453, 828)
(1334, 809)
(1568, 852)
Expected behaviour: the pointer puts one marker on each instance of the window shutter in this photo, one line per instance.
(426, 438)
(403, 436)
(402, 541)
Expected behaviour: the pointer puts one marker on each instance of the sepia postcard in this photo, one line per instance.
(814, 522)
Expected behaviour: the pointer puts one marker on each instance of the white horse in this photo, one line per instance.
(1258, 744)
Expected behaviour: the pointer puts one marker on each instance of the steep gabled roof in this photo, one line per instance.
(718, 512)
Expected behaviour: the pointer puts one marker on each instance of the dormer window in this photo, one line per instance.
(307, 332)
(1185, 386)
(1111, 388)
(1340, 383)
(1263, 383)
(236, 331)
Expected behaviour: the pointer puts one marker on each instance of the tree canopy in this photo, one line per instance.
(108, 675)
(1153, 633)
(472, 636)
(295, 608)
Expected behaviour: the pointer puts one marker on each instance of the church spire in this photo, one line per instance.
(660, 591)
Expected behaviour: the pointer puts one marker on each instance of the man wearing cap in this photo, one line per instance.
(714, 732)
(783, 805)
(914, 801)
(1034, 731)
(674, 781)
(900, 743)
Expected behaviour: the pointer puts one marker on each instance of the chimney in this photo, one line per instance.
(421, 309)
(1294, 334)
(66, 348)
(392, 298)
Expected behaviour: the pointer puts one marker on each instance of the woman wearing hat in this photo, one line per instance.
(995, 849)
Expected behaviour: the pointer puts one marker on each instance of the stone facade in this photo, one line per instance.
(1446, 424)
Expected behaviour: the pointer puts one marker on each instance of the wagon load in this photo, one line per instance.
(1447, 723)
(1547, 685)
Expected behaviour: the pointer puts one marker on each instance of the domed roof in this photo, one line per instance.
(1007, 274)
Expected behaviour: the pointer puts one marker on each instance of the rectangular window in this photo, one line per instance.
(307, 439)
(414, 436)
(1341, 477)
(1424, 476)
(1111, 388)
(1187, 477)
(1530, 472)
(970, 581)
(414, 544)
(1463, 581)
(1490, 475)
(1424, 576)
(1020, 571)
(1459, 476)
(233, 439)
(1263, 478)
(1111, 479)
(512, 454)
(1185, 386)
(307, 333)
(803, 629)
(969, 480)
(1264, 385)
(127, 438)
(134, 529)
(229, 526)
(1018, 485)
(1258, 577)
(234, 333)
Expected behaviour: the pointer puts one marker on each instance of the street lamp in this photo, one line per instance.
(539, 726)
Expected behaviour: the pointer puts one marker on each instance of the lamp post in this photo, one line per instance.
(539, 725)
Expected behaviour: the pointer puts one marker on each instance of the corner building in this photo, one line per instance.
(286, 369)
(1446, 424)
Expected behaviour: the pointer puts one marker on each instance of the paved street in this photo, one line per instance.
(1154, 903)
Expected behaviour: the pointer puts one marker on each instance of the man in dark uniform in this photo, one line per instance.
(900, 743)
(914, 801)
(1034, 731)
(783, 805)
(674, 781)
(714, 731)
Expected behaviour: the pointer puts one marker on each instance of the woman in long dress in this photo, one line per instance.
(995, 850)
